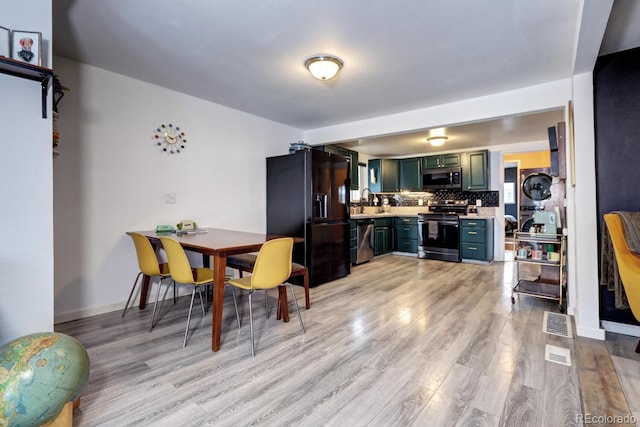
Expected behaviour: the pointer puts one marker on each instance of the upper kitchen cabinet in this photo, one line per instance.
(355, 174)
(441, 161)
(383, 175)
(475, 170)
(353, 158)
(411, 174)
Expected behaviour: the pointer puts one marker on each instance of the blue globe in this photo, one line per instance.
(39, 374)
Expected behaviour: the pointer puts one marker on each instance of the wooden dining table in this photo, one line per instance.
(218, 244)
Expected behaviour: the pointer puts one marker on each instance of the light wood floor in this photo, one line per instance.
(400, 341)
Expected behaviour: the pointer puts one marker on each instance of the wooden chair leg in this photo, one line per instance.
(283, 304)
(279, 310)
(307, 300)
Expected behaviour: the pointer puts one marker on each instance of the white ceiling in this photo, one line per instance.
(399, 56)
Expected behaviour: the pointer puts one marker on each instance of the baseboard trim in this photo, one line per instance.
(596, 334)
(621, 328)
(81, 314)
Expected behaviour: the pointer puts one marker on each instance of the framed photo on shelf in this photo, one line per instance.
(26, 46)
(5, 42)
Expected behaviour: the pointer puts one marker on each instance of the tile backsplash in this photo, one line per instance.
(488, 198)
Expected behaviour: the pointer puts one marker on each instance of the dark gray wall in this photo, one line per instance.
(511, 175)
(617, 121)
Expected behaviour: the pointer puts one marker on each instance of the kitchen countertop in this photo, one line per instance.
(409, 215)
(413, 211)
(383, 215)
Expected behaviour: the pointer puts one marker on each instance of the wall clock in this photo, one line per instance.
(169, 138)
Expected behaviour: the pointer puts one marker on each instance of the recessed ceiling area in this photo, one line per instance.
(504, 131)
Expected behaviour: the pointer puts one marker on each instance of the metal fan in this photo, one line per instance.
(537, 186)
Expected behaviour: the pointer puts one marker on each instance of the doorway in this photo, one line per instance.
(510, 203)
(518, 162)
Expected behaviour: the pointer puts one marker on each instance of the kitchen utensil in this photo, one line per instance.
(553, 256)
(386, 207)
(546, 222)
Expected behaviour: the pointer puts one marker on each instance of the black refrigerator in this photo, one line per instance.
(308, 196)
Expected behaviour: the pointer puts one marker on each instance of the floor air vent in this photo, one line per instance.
(557, 355)
(557, 324)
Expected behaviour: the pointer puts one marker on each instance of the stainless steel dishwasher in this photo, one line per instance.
(364, 233)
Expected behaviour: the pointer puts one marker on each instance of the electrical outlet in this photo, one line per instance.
(169, 198)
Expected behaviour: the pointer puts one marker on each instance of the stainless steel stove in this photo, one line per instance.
(439, 230)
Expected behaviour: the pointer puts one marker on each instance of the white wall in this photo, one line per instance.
(110, 178)
(583, 254)
(26, 253)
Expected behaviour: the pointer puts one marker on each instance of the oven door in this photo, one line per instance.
(439, 238)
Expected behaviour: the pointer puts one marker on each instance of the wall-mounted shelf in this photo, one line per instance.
(31, 72)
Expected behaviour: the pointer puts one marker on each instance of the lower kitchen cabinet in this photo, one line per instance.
(476, 239)
(383, 239)
(353, 242)
(406, 230)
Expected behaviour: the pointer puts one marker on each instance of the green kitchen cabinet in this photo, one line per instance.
(411, 174)
(441, 161)
(476, 239)
(475, 171)
(355, 174)
(406, 233)
(383, 175)
(383, 236)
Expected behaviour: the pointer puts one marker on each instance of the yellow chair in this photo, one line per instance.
(150, 266)
(272, 269)
(628, 264)
(245, 263)
(182, 272)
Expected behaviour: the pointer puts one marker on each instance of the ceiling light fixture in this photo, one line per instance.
(323, 67)
(437, 141)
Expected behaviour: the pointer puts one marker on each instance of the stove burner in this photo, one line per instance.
(451, 207)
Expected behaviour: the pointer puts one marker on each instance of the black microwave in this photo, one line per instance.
(442, 179)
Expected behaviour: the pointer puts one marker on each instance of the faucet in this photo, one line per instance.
(362, 197)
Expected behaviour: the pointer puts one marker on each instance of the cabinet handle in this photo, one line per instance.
(407, 228)
(472, 232)
(406, 220)
(472, 223)
(472, 248)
